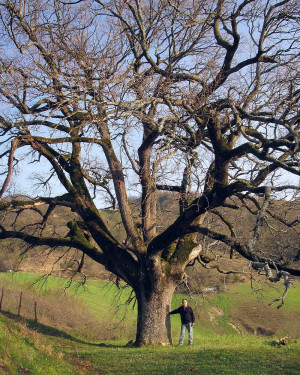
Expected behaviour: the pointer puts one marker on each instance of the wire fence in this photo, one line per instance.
(19, 304)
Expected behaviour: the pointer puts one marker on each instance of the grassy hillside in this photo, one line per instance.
(93, 311)
(94, 324)
(24, 351)
(29, 349)
(275, 238)
(99, 310)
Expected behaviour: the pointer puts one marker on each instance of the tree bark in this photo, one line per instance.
(153, 326)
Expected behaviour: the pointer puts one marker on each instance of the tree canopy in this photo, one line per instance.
(129, 98)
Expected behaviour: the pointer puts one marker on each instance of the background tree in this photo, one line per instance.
(132, 97)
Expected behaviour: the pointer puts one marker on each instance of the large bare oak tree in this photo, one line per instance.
(126, 97)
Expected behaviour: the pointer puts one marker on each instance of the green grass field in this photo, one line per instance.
(63, 347)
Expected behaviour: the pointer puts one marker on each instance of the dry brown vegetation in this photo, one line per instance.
(57, 310)
(259, 319)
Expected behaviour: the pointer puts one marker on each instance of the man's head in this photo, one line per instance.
(184, 302)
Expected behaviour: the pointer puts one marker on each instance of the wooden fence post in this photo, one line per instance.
(168, 325)
(20, 304)
(2, 294)
(35, 311)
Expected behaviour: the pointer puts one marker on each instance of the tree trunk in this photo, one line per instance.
(153, 326)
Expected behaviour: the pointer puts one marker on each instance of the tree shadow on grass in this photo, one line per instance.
(51, 331)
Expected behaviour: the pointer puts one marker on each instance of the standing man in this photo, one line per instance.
(187, 321)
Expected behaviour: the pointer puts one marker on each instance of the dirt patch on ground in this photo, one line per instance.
(215, 312)
(258, 319)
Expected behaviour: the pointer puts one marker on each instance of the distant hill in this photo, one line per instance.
(276, 236)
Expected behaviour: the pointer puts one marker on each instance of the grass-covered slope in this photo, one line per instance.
(85, 331)
(25, 350)
(100, 311)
